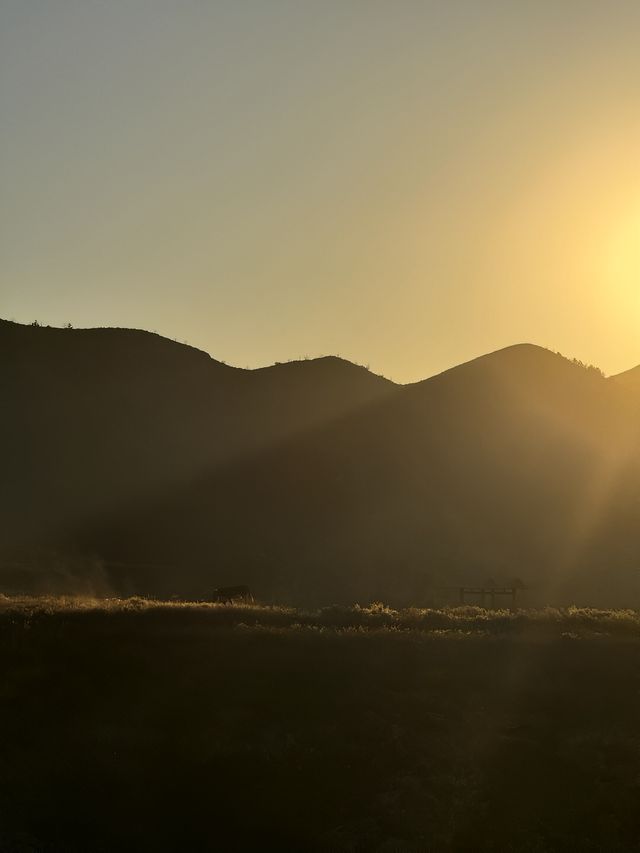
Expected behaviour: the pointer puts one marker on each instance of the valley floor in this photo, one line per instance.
(138, 725)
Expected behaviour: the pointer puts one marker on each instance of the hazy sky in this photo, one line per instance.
(406, 184)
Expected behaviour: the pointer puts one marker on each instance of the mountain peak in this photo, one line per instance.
(330, 366)
(522, 361)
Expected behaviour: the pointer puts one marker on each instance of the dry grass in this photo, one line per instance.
(553, 622)
(147, 725)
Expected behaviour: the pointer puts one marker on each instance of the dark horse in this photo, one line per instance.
(228, 594)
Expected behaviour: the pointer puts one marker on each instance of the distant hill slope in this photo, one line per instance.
(315, 481)
(97, 420)
(629, 379)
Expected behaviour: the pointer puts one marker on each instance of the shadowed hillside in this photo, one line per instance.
(106, 419)
(315, 480)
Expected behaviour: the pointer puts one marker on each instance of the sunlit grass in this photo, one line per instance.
(570, 622)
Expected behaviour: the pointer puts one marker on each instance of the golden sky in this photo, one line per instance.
(406, 184)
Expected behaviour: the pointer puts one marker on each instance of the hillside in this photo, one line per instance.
(161, 470)
(630, 379)
(106, 420)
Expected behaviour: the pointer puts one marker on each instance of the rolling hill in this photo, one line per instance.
(136, 464)
(630, 379)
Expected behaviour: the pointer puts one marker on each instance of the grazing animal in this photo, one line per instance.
(228, 594)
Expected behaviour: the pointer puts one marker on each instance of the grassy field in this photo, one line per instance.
(141, 725)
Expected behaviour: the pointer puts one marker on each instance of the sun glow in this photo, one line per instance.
(623, 273)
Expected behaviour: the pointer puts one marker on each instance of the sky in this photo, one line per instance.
(405, 184)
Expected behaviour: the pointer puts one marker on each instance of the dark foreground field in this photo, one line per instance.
(141, 726)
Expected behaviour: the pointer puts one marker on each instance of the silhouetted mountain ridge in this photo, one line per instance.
(315, 480)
